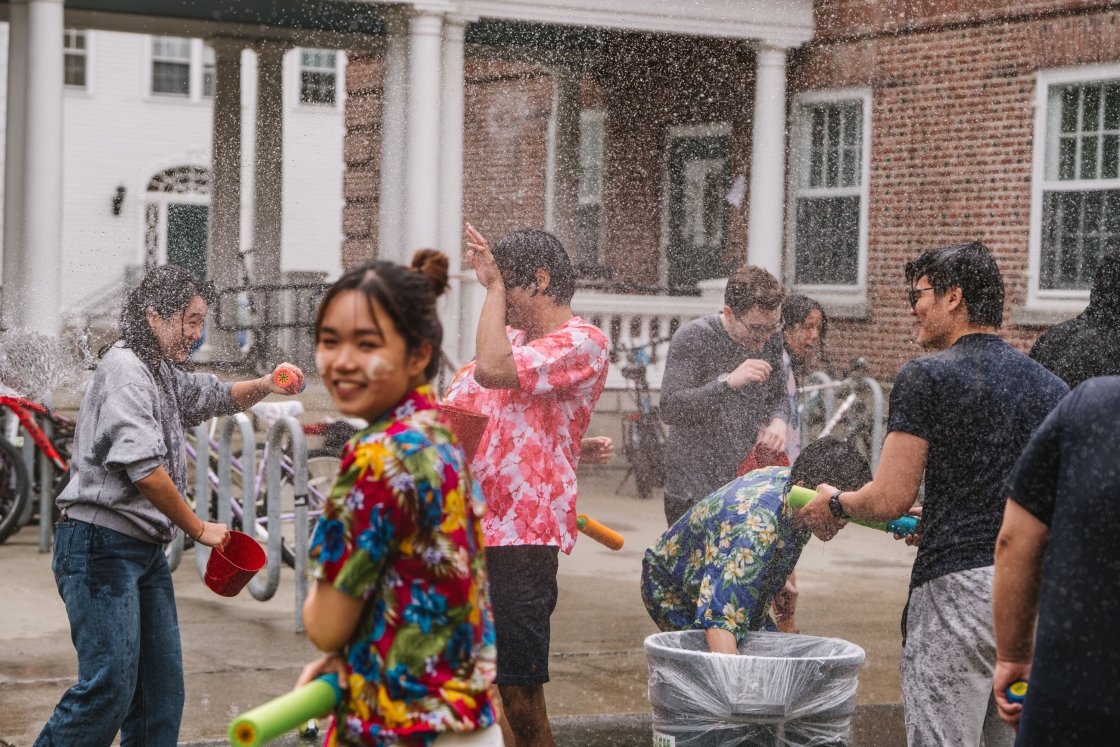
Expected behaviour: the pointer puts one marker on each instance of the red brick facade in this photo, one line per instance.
(952, 134)
(953, 87)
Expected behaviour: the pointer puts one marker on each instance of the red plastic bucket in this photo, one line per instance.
(468, 427)
(228, 572)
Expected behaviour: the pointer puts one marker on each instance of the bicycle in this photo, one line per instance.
(17, 485)
(643, 438)
(322, 467)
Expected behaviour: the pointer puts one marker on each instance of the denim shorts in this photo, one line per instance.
(522, 596)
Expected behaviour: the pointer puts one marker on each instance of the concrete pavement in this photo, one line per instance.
(240, 652)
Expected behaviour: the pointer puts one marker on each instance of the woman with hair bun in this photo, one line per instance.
(124, 501)
(400, 604)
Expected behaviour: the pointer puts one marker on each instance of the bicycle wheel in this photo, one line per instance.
(14, 489)
(322, 469)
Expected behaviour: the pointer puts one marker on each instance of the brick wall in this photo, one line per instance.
(952, 130)
(505, 161)
(651, 84)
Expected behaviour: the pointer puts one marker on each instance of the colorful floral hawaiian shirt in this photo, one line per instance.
(402, 529)
(724, 562)
(527, 461)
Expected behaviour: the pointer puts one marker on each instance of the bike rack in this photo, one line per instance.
(299, 485)
(828, 386)
(876, 421)
(265, 589)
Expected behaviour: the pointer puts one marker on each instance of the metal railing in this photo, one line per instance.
(856, 388)
(270, 527)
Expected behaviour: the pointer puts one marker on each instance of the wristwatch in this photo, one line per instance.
(836, 507)
(722, 378)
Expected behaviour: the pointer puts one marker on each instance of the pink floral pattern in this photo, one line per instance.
(526, 463)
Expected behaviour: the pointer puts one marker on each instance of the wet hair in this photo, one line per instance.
(407, 294)
(751, 286)
(168, 290)
(830, 460)
(969, 267)
(520, 254)
(1104, 298)
(796, 309)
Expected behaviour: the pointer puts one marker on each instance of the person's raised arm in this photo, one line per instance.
(890, 495)
(1020, 549)
(245, 394)
(494, 365)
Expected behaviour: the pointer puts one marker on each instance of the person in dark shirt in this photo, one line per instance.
(1089, 344)
(961, 416)
(1058, 558)
(723, 390)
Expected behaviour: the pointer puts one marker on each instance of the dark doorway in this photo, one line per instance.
(186, 236)
(698, 183)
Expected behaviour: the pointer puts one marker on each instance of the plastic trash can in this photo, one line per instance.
(780, 690)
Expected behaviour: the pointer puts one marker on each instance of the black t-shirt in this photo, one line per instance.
(976, 403)
(1069, 478)
(1080, 349)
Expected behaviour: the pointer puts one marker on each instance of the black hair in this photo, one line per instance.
(168, 290)
(830, 460)
(520, 254)
(796, 309)
(408, 296)
(969, 267)
(1104, 299)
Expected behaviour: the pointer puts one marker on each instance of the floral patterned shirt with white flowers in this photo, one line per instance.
(529, 453)
(402, 530)
(724, 562)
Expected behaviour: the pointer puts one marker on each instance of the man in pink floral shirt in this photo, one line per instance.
(538, 380)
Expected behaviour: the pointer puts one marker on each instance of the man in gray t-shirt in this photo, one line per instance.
(723, 391)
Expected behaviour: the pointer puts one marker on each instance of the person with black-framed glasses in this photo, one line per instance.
(723, 390)
(959, 418)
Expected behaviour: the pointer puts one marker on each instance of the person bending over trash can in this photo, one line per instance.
(721, 565)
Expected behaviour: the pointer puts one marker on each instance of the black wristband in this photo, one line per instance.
(836, 507)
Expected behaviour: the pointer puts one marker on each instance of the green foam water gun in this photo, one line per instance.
(286, 713)
(799, 497)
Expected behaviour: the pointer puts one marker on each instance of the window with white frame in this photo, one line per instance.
(318, 76)
(75, 58)
(830, 194)
(591, 139)
(207, 70)
(1081, 183)
(171, 65)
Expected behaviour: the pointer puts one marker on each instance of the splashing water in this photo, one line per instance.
(33, 364)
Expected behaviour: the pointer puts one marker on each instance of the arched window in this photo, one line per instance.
(176, 218)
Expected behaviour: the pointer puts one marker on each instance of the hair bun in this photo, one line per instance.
(434, 264)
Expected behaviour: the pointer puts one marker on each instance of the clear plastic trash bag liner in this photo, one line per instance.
(780, 690)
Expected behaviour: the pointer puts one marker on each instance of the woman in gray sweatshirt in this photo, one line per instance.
(124, 501)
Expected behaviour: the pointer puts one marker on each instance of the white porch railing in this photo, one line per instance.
(631, 321)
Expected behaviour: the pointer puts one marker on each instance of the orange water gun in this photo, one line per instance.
(601, 534)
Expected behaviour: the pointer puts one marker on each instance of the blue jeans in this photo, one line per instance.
(121, 606)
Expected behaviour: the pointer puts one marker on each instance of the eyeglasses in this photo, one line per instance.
(761, 329)
(915, 294)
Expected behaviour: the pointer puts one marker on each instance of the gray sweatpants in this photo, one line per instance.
(947, 664)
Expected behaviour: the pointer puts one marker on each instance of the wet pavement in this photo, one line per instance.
(240, 652)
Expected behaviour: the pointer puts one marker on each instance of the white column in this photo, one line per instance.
(390, 238)
(565, 164)
(451, 181)
(268, 165)
(14, 149)
(768, 162)
(223, 264)
(268, 185)
(43, 168)
(425, 40)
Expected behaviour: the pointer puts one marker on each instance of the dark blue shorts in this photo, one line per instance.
(522, 596)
